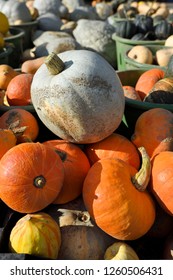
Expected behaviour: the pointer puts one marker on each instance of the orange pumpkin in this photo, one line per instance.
(76, 166)
(117, 207)
(151, 128)
(31, 175)
(18, 118)
(147, 80)
(7, 73)
(7, 140)
(161, 180)
(18, 91)
(114, 146)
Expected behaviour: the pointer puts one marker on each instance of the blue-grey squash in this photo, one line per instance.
(78, 95)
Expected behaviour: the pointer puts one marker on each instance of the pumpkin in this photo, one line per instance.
(115, 196)
(120, 251)
(114, 146)
(161, 180)
(151, 128)
(126, 28)
(36, 234)
(144, 23)
(32, 65)
(89, 95)
(76, 166)
(165, 145)
(18, 90)
(15, 10)
(147, 80)
(19, 118)
(161, 92)
(7, 73)
(32, 176)
(81, 238)
(7, 140)
(163, 29)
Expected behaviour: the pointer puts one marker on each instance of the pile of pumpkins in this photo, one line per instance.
(88, 174)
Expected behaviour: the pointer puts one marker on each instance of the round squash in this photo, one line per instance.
(152, 127)
(32, 176)
(18, 90)
(76, 166)
(161, 180)
(36, 234)
(116, 205)
(114, 146)
(78, 96)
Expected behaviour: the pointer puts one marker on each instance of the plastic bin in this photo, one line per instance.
(123, 45)
(15, 41)
(132, 64)
(28, 28)
(134, 108)
(4, 54)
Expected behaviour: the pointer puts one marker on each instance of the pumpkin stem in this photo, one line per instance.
(141, 179)
(54, 64)
(74, 217)
(39, 182)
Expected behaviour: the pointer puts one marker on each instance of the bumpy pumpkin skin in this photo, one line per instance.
(31, 175)
(117, 207)
(161, 180)
(36, 234)
(84, 103)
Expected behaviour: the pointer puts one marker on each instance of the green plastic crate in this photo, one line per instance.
(123, 45)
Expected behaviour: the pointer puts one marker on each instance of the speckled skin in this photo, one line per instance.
(84, 103)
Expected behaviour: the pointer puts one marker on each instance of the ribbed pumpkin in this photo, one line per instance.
(78, 96)
(76, 166)
(161, 180)
(112, 200)
(36, 234)
(114, 146)
(31, 175)
(152, 127)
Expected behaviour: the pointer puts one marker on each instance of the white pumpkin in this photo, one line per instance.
(84, 103)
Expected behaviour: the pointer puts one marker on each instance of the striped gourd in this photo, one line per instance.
(36, 234)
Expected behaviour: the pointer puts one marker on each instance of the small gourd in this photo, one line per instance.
(120, 251)
(36, 234)
(78, 96)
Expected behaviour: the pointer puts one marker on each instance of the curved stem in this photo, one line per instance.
(141, 179)
(54, 64)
